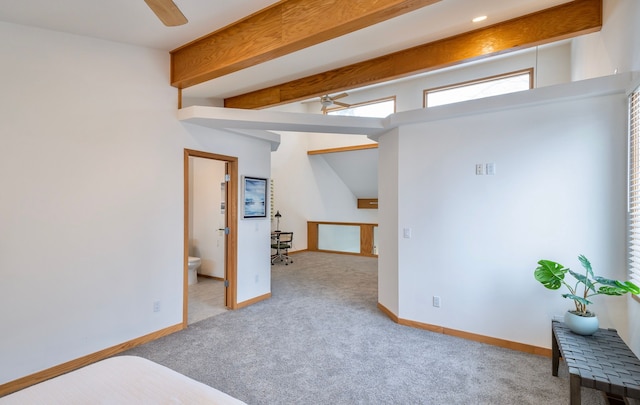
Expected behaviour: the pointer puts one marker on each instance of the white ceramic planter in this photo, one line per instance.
(582, 325)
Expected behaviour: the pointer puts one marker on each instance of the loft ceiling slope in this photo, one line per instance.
(229, 118)
(283, 28)
(568, 20)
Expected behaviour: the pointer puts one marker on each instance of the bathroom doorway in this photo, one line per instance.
(210, 220)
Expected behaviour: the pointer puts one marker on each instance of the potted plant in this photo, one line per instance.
(580, 320)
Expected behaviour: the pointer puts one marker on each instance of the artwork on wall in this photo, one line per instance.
(254, 197)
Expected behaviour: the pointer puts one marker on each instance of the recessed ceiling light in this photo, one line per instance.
(479, 18)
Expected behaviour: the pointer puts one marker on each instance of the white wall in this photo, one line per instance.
(559, 192)
(620, 39)
(91, 171)
(616, 48)
(254, 159)
(307, 188)
(206, 241)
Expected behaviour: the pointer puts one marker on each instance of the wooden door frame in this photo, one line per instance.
(231, 240)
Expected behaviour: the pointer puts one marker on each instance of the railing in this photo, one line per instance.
(343, 237)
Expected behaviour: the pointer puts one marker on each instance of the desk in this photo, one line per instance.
(601, 361)
(281, 243)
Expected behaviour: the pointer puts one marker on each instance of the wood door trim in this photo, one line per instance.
(231, 245)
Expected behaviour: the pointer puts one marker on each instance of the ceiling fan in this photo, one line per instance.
(328, 101)
(167, 12)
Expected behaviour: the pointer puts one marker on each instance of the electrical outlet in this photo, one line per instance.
(436, 301)
(156, 306)
(479, 169)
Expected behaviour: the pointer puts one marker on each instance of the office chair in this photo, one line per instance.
(281, 243)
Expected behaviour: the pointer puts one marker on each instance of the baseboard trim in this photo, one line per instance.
(507, 344)
(24, 382)
(388, 313)
(253, 300)
(211, 277)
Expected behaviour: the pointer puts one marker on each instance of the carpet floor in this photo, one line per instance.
(320, 339)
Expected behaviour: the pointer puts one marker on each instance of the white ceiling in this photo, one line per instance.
(132, 22)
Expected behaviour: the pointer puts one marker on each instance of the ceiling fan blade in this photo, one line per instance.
(342, 104)
(167, 12)
(341, 95)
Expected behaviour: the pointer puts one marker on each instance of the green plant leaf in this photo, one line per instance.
(606, 281)
(584, 280)
(576, 298)
(631, 287)
(586, 264)
(615, 287)
(611, 290)
(550, 274)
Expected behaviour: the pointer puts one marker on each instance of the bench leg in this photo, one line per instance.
(574, 389)
(555, 355)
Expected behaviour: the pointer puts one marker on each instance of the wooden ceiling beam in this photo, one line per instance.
(567, 20)
(283, 28)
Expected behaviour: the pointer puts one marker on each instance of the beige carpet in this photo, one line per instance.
(321, 340)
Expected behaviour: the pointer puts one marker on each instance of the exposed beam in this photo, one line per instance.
(553, 24)
(283, 28)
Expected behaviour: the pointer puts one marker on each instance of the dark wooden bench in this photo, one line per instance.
(601, 361)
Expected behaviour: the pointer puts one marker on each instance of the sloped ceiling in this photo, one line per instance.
(358, 169)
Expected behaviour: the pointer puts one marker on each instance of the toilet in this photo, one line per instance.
(194, 264)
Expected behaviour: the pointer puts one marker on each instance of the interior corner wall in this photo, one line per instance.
(616, 48)
(389, 197)
(558, 191)
(92, 201)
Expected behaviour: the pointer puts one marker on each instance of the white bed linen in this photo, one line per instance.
(120, 380)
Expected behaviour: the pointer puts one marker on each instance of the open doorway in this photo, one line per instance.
(210, 221)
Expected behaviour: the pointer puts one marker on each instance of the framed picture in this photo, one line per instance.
(254, 197)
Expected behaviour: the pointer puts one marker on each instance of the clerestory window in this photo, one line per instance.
(376, 108)
(480, 88)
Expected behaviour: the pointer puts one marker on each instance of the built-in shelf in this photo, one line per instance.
(367, 203)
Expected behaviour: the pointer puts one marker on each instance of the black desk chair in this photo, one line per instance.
(281, 243)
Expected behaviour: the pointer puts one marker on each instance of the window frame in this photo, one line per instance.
(369, 102)
(528, 71)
